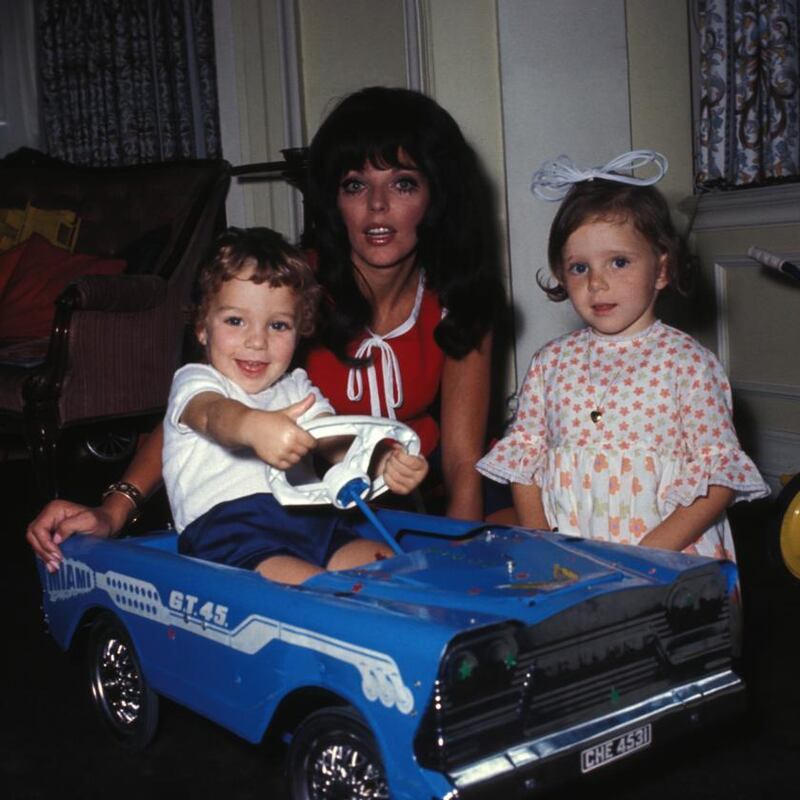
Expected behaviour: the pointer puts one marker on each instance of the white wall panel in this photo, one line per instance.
(564, 75)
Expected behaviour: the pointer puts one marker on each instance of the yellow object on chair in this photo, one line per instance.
(59, 226)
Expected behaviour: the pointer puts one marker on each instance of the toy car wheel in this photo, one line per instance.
(110, 446)
(334, 755)
(122, 697)
(786, 542)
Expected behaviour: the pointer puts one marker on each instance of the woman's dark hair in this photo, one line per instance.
(456, 245)
(273, 261)
(601, 199)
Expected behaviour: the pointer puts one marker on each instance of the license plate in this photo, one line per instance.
(598, 755)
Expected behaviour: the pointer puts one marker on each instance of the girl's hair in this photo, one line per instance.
(273, 261)
(390, 128)
(601, 199)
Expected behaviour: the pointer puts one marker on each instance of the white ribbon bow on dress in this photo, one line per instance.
(555, 178)
(390, 366)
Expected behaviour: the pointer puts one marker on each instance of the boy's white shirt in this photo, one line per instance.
(198, 472)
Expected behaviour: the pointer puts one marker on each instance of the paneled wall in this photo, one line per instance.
(528, 80)
(754, 318)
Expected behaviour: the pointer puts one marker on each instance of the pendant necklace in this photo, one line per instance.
(596, 414)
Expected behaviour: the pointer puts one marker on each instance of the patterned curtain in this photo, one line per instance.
(748, 132)
(128, 81)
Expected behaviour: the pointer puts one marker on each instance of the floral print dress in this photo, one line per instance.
(619, 431)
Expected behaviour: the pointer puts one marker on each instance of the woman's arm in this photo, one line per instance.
(686, 524)
(59, 519)
(464, 415)
(528, 505)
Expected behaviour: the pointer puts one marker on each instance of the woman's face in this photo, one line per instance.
(381, 209)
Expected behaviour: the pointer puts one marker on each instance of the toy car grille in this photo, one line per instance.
(573, 667)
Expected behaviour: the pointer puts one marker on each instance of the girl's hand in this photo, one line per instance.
(275, 436)
(402, 471)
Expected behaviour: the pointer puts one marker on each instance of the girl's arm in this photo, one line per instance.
(274, 436)
(60, 519)
(529, 507)
(464, 417)
(686, 524)
(707, 425)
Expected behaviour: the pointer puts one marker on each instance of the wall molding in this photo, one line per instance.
(779, 390)
(416, 19)
(722, 264)
(230, 133)
(291, 100)
(776, 453)
(746, 208)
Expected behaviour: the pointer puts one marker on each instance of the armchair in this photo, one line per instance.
(116, 339)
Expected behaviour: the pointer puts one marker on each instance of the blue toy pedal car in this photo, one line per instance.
(479, 659)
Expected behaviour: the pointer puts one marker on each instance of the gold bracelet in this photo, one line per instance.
(132, 493)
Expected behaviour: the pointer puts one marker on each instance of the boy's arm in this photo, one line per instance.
(274, 436)
(686, 524)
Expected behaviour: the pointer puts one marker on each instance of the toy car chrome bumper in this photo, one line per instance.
(525, 769)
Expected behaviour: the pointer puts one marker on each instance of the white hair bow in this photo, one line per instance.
(554, 178)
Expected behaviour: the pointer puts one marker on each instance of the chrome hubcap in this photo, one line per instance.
(118, 683)
(344, 772)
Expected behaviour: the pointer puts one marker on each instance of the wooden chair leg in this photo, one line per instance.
(41, 432)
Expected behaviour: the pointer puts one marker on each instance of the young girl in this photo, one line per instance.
(242, 410)
(623, 429)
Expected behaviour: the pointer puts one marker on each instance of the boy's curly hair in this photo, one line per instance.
(272, 259)
(601, 199)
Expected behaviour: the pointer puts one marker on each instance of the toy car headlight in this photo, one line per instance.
(696, 601)
(482, 665)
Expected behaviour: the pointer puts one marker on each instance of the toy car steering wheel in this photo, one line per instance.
(367, 432)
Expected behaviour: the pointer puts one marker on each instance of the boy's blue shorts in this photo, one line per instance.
(245, 531)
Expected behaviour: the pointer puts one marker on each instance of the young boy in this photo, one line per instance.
(229, 418)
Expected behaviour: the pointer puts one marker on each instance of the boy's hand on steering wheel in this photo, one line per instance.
(275, 436)
(402, 471)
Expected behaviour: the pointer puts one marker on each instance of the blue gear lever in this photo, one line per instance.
(353, 492)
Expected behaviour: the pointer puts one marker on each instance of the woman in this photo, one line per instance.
(403, 248)
(404, 251)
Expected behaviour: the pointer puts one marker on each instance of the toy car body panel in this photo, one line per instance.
(483, 658)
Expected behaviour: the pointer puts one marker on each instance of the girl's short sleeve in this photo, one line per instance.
(520, 456)
(711, 452)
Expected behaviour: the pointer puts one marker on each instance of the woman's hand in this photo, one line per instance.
(57, 521)
(402, 471)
